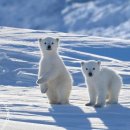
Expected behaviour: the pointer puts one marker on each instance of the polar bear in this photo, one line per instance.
(103, 83)
(53, 78)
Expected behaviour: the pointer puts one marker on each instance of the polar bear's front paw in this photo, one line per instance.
(44, 89)
(98, 105)
(112, 102)
(39, 81)
(89, 104)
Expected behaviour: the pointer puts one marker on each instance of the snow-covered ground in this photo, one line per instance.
(26, 108)
(22, 106)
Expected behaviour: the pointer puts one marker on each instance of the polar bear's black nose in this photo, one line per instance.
(49, 47)
(90, 74)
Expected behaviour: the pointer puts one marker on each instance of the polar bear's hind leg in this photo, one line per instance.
(114, 92)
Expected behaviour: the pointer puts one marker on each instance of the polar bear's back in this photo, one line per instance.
(109, 75)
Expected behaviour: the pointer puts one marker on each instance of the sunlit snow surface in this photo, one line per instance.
(20, 54)
(22, 106)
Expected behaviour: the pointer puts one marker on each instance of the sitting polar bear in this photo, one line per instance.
(54, 78)
(102, 83)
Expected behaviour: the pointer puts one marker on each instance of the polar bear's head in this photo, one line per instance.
(48, 45)
(90, 68)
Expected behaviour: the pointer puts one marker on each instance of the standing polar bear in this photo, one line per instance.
(53, 78)
(102, 83)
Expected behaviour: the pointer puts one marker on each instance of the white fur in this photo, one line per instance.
(104, 83)
(54, 78)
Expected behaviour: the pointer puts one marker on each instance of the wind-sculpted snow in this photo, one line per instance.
(20, 54)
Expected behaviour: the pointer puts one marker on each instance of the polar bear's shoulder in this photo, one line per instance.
(107, 71)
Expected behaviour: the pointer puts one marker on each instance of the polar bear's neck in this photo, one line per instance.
(50, 54)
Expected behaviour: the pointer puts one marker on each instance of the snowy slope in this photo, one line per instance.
(34, 14)
(96, 17)
(99, 17)
(22, 106)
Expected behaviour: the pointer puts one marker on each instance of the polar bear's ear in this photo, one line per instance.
(99, 62)
(82, 63)
(40, 40)
(57, 39)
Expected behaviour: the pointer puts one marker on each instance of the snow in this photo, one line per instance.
(22, 106)
(28, 109)
(92, 17)
(100, 17)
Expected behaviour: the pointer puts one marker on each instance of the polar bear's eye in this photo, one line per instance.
(52, 43)
(86, 68)
(45, 43)
(93, 68)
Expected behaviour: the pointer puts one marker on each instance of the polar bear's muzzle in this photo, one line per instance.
(49, 47)
(90, 74)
